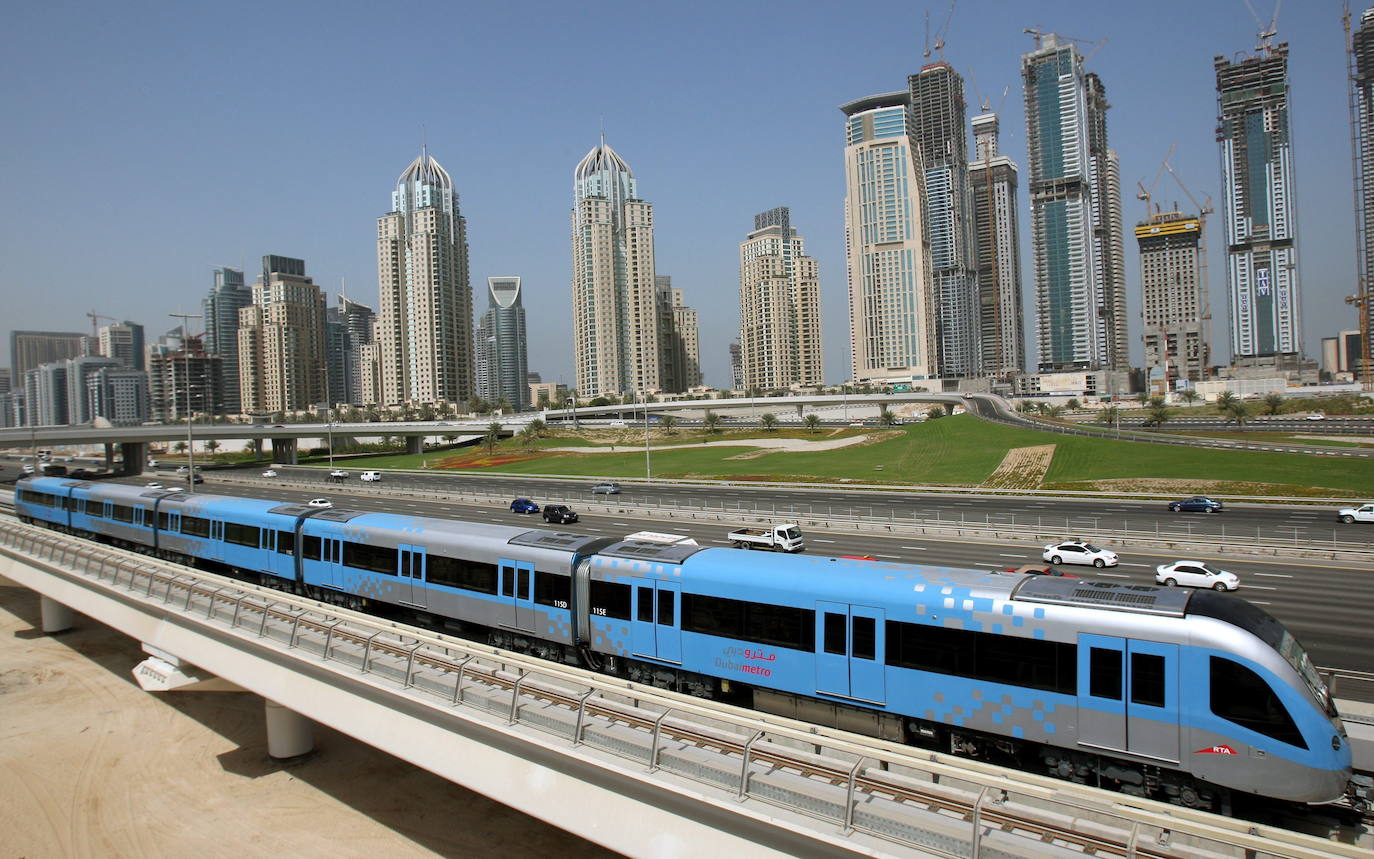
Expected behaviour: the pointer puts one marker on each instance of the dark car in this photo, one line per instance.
(523, 505)
(1196, 504)
(81, 473)
(559, 513)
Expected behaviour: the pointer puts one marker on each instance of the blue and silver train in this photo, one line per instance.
(1161, 692)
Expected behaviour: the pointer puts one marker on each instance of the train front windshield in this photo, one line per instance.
(1266, 628)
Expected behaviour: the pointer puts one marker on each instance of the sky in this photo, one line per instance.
(143, 144)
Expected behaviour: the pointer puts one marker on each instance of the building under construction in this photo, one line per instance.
(1362, 117)
(1259, 205)
(997, 242)
(1174, 300)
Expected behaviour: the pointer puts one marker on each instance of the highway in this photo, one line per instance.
(1325, 604)
(1073, 516)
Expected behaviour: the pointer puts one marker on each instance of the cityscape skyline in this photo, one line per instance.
(700, 251)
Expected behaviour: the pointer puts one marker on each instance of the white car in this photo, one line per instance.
(28, 469)
(1195, 574)
(338, 474)
(370, 476)
(1079, 552)
(319, 502)
(1363, 513)
(271, 472)
(153, 486)
(1316, 416)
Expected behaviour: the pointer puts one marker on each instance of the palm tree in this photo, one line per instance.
(1189, 395)
(1053, 411)
(492, 435)
(935, 412)
(1143, 397)
(212, 445)
(537, 427)
(1109, 415)
(1237, 411)
(813, 423)
(712, 422)
(1025, 407)
(1225, 400)
(179, 447)
(886, 418)
(769, 421)
(1273, 404)
(1073, 405)
(1159, 413)
(667, 422)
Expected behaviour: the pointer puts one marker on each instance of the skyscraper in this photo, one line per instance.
(686, 343)
(1075, 213)
(502, 349)
(28, 349)
(183, 378)
(891, 311)
(358, 321)
(220, 309)
(124, 342)
(617, 336)
(424, 319)
(1259, 205)
(997, 239)
(936, 128)
(1174, 299)
(282, 340)
(779, 301)
(1362, 45)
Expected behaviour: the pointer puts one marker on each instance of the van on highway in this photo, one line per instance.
(371, 476)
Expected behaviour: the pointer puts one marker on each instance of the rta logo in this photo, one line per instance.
(1216, 750)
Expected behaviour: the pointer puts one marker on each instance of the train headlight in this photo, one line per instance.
(1335, 742)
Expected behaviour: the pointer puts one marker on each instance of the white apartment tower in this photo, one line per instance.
(617, 337)
(424, 318)
(891, 312)
(779, 306)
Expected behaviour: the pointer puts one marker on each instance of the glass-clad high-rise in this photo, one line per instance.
(502, 354)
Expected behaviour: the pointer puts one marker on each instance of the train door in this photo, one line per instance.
(412, 573)
(517, 592)
(655, 624)
(1128, 696)
(850, 651)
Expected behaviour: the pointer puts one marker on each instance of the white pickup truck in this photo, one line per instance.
(779, 538)
(1363, 513)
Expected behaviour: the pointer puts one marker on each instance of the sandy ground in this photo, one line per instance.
(92, 766)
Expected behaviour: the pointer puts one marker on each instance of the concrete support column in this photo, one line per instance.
(801, 409)
(109, 456)
(284, 451)
(289, 733)
(414, 443)
(135, 456)
(56, 616)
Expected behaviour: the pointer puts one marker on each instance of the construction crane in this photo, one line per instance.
(95, 325)
(1147, 194)
(1360, 300)
(1264, 43)
(939, 47)
(1203, 210)
(1039, 34)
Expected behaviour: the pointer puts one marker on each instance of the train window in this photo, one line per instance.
(1147, 679)
(1029, 662)
(713, 616)
(1104, 673)
(242, 535)
(865, 638)
(195, 526)
(457, 573)
(644, 604)
(286, 542)
(665, 608)
(1241, 696)
(164, 520)
(377, 559)
(523, 592)
(835, 633)
(95, 509)
(609, 599)
(551, 590)
(310, 547)
(507, 580)
(120, 513)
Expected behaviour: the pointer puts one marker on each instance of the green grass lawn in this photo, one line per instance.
(959, 450)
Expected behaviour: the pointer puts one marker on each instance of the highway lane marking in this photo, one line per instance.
(918, 548)
(1274, 575)
(1113, 575)
(817, 540)
(1260, 588)
(897, 557)
(1259, 602)
(1011, 556)
(1142, 566)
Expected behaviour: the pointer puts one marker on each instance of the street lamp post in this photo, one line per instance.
(648, 472)
(186, 363)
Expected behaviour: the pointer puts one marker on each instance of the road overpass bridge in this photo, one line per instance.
(639, 770)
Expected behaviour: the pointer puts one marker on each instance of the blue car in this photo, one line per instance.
(523, 505)
(1196, 504)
